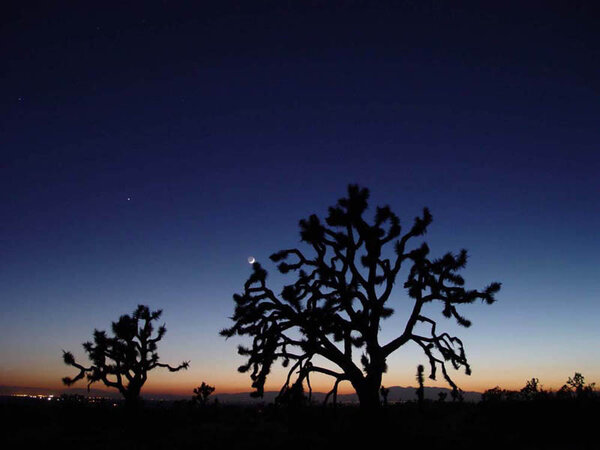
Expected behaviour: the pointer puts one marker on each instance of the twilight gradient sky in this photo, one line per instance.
(149, 149)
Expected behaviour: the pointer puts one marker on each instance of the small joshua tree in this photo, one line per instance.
(202, 392)
(384, 394)
(122, 361)
(421, 381)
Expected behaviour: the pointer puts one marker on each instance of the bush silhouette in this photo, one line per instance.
(574, 389)
(334, 308)
(577, 386)
(531, 390)
(122, 361)
(293, 396)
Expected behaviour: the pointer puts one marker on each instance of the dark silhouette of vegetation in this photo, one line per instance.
(577, 386)
(201, 394)
(384, 395)
(457, 394)
(122, 361)
(334, 308)
(574, 389)
(539, 423)
(531, 390)
(496, 394)
(293, 396)
(421, 381)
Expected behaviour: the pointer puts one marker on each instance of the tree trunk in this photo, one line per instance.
(368, 393)
(132, 411)
(132, 400)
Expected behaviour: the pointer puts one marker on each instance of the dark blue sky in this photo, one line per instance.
(149, 148)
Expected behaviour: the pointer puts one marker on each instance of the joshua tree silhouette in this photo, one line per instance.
(384, 394)
(202, 392)
(123, 360)
(341, 295)
(421, 382)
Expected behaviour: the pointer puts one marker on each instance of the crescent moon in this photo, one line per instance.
(251, 260)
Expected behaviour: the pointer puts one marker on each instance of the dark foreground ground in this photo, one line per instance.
(507, 425)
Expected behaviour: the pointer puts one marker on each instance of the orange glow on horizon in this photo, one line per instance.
(231, 382)
(185, 389)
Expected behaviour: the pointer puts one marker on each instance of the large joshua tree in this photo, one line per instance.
(340, 295)
(123, 361)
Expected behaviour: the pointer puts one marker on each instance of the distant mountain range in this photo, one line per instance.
(397, 394)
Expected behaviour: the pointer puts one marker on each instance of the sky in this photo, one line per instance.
(148, 149)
